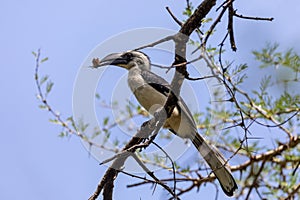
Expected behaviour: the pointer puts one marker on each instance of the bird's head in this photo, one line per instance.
(125, 60)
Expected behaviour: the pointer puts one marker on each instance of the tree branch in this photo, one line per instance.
(253, 18)
(230, 26)
(268, 154)
(200, 13)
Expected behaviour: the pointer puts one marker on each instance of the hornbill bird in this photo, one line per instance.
(152, 91)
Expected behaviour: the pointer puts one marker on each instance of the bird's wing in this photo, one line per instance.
(212, 156)
(161, 85)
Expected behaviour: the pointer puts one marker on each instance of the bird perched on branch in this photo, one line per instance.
(152, 91)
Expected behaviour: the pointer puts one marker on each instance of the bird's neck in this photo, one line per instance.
(135, 79)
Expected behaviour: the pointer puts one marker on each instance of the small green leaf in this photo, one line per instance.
(186, 170)
(44, 59)
(96, 133)
(42, 106)
(116, 142)
(206, 20)
(62, 134)
(34, 54)
(105, 121)
(44, 79)
(49, 86)
(83, 127)
(129, 111)
(70, 119)
(54, 121)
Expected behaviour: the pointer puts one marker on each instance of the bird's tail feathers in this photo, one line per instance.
(217, 163)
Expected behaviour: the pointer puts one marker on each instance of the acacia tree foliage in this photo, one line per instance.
(266, 170)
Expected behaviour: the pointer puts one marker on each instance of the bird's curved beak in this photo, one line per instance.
(111, 59)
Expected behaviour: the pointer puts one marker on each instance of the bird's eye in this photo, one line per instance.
(128, 56)
(140, 62)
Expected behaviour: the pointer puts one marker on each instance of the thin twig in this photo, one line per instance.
(253, 18)
(277, 124)
(218, 19)
(59, 119)
(254, 183)
(199, 78)
(294, 171)
(176, 65)
(151, 174)
(168, 38)
(173, 165)
(174, 17)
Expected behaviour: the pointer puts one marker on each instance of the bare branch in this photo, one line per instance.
(253, 18)
(174, 17)
(254, 182)
(218, 20)
(151, 174)
(230, 26)
(168, 38)
(268, 154)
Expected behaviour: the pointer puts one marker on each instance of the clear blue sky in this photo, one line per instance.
(35, 163)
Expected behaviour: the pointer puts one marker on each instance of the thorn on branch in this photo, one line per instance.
(297, 166)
